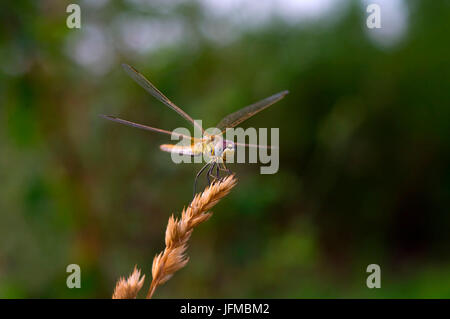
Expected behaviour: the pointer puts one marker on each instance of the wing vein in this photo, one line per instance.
(245, 113)
(150, 88)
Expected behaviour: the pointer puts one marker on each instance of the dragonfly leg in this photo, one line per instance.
(227, 169)
(198, 174)
(209, 173)
(223, 168)
(218, 169)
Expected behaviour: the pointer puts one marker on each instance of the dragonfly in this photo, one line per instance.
(211, 146)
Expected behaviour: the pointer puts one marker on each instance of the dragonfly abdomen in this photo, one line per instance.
(180, 149)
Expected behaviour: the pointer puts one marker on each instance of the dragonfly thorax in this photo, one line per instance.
(218, 148)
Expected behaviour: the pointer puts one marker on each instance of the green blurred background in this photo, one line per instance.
(364, 146)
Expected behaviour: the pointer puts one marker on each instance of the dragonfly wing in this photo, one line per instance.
(145, 127)
(150, 88)
(256, 145)
(179, 149)
(243, 114)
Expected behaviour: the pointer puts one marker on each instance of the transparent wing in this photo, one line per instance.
(256, 145)
(145, 127)
(243, 114)
(150, 88)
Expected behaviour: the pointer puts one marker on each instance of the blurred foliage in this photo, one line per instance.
(364, 156)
